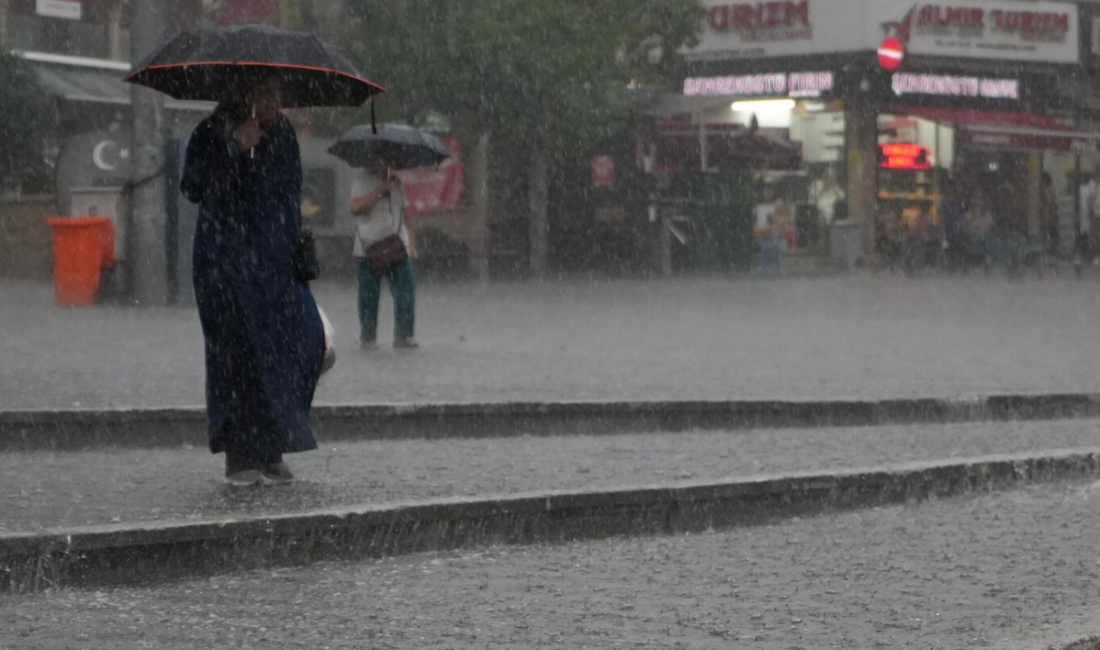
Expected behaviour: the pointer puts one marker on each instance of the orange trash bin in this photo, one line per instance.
(82, 248)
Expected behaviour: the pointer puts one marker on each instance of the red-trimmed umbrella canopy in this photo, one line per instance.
(214, 64)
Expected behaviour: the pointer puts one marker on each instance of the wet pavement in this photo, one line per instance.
(847, 338)
(44, 489)
(998, 570)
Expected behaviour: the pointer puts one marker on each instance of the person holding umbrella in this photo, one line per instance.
(385, 245)
(264, 336)
(385, 238)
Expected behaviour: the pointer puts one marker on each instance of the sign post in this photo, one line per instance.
(148, 225)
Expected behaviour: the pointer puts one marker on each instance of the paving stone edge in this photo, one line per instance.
(74, 429)
(129, 553)
(1088, 643)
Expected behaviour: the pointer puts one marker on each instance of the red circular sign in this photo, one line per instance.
(890, 54)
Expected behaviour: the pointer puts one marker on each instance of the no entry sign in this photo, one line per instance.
(890, 54)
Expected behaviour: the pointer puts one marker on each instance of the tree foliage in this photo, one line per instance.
(550, 74)
(25, 124)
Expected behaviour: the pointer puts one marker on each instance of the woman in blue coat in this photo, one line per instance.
(264, 337)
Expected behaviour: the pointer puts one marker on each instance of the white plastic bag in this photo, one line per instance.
(330, 336)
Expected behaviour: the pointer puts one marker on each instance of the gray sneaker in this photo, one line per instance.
(278, 473)
(368, 346)
(245, 478)
(405, 344)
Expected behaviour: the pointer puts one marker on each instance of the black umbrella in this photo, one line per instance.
(208, 65)
(402, 146)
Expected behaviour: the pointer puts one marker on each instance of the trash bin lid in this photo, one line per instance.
(78, 222)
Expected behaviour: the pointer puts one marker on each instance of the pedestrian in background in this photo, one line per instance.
(1086, 205)
(385, 245)
(953, 210)
(1048, 214)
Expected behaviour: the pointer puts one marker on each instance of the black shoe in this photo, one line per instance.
(278, 472)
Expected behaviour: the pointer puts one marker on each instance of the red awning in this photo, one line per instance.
(1007, 130)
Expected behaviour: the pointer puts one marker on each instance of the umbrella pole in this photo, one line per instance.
(373, 119)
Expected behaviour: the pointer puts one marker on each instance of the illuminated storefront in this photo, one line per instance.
(885, 100)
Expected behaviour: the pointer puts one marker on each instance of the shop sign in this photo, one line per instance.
(762, 15)
(68, 9)
(906, 83)
(776, 84)
(903, 155)
(998, 29)
(742, 30)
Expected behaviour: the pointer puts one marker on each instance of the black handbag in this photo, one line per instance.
(305, 266)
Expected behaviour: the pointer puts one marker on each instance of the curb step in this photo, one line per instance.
(60, 430)
(147, 551)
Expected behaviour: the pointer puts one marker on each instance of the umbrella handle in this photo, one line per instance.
(252, 151)
(373, 120)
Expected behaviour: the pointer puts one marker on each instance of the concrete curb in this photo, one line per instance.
(169, 427)
(127, 553)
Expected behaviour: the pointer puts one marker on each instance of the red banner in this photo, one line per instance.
(244, 11)
(436, 189)
(603, 171)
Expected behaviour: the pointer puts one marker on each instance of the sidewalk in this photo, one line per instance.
(845, 338)
(1003, 570)
(49, 490)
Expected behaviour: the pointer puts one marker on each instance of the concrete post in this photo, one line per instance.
(704, 153)
(665, 239)
(861, 142)
(1034, 193)
(4, 23)
(539, 224)
(481, 240)
(148, 218)
(114, 31)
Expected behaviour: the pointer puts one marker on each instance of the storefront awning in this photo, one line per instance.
(1007, 130)
(728, 146)
(77, 85)
(89, 83)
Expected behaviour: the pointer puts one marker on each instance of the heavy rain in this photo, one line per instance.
(573, 324)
